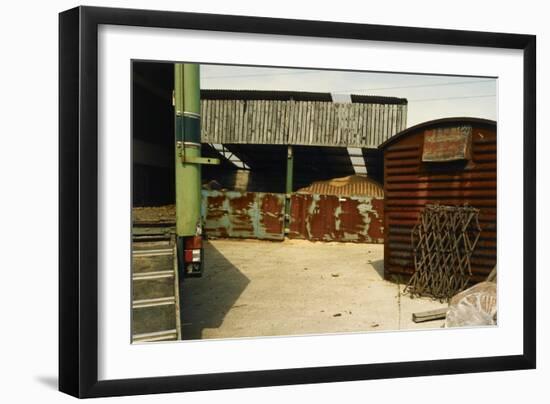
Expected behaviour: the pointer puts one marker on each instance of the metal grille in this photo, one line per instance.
(443, 243)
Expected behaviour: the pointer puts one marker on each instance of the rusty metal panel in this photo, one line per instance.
(447, 144)
(332, 218)
(410, 183)
(237, 214)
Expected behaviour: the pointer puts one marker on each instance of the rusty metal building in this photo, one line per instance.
(451, 161)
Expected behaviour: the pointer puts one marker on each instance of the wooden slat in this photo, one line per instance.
(299, 122)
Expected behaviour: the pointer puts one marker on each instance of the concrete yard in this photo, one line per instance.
(256, 288)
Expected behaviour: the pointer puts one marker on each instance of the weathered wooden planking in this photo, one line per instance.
(300, 122)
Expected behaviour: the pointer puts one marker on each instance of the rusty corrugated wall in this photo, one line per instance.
(243, 214)
(333, 218)
(456, 165)
(313, 123)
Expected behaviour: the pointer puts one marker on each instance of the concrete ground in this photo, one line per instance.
(261, 288)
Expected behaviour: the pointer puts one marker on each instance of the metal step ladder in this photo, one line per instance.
(155, 300)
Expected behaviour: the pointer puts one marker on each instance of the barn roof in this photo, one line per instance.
(268, 95)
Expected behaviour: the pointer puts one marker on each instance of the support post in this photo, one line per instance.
(289, 185)
(187, 139)
(188, 147)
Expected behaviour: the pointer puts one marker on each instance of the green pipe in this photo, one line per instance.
(289, 170)
(289, 185)
(187, 138)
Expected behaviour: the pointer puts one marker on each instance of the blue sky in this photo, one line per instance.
(430, 97)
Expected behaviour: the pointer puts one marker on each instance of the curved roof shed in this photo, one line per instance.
(451, 161)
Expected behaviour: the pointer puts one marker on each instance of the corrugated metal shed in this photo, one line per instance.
(267, 117)
(450, 161)
(352, 185)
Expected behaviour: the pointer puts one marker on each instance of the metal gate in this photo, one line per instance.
(333, 218)
(238, 214)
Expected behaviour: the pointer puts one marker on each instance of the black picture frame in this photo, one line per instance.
(78, 201)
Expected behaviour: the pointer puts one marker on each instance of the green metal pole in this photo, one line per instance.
(188, 149)
(289, 170)
(289, 185)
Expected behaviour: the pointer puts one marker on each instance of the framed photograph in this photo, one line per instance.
(251, 201)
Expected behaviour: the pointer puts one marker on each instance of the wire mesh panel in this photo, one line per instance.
(443, 242)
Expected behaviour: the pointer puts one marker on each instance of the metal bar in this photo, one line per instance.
(200, 160)
(153, 275)
(289, 186)
(160, 301)
(177, 293)
(423, 316)
(289, 170)
(154, 336)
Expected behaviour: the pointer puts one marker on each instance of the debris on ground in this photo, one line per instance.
(337, 315)
(474, 306)
(335, 275)
(429, 315)
(154, 214)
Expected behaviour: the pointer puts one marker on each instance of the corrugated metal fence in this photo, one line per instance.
(332, 218)
(243, 214)
(259, 215)
(300, 122)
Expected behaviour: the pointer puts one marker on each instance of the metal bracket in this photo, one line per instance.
(200, 160)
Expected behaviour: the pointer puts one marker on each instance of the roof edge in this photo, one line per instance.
(264, 95)
(287, 95)
(377, 99)
(437, 122)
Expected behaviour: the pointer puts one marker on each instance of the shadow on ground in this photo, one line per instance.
(378, 266)
(206, 300)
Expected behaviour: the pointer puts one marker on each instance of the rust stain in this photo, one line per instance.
(241, 206)
(271, 214)
(298, 203)
(447, 144)
(243, 214)
(332, 218)
(376, 229)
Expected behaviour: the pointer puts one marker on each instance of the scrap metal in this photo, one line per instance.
(443, 242)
